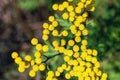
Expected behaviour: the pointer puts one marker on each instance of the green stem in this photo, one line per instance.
(48, 58)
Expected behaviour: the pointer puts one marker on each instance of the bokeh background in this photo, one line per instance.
(20, 20)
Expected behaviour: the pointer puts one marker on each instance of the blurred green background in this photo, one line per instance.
(20, 20)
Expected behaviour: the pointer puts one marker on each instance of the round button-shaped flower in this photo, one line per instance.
(39, 47)
(32, 73)
(55, 7)
(28, 58)
(51, 18)
(65, 4)
(55, 33)
(21, 69)
(75, 48)
(85, 32)
(14, 55)
(67, 76)
(37, 54)
(45, 48)
(34, 41)
(41, 67)
(45, 25)
(35, 68)
(70, 8)
(71, 42)
(61, 7)
(45, 37)
(65, 15)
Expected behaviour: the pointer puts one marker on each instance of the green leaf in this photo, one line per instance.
(51, 51)
(64, 23)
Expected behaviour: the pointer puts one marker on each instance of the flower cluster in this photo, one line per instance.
(28, 61)
(65, 34)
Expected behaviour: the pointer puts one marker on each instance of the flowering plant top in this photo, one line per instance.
(65, 34)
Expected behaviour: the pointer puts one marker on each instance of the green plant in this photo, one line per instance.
(65, 40)
(30, 4)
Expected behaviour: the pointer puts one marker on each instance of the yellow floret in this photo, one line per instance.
(74, 31)
(34, 41)
(63, 42)
(95, 53)
(45, 48)
(55, 43)
(45, 37)
(51, 27)
(78, 10)
(32, 73)
(41, 67)
(76, 23)
(85, 14)
(77, 39)
(46, 31)
(70, 0)
(64, 66)
(65, 33)
(22, 64)
(50, 73)
(38, 60)
(72, 27)
(71, 42)
(60, 69)
(28, 58)
(35, 68)
(21, 69)
(70, 8)
(87, 78)
(80, 4)
(89, 51)
(32, 62)
(18, 60)
(55, 6)
(55, 33)
(37, 54)
(55, 23)
(71, 19)
(67, 76)
(79, 19)
(104, 76)
(81, 27)
(83, 1)
(14, 55)
(45, 25)
(65, 15)
(61, 7)
(78, 34)
(57, 73)
(39, 47)
(51, 18)
(65, 4)
(92, 9)
(72, 14)
(66, 58)
(75, 48)
(76, 54)
(84, 42)
(85, 32)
